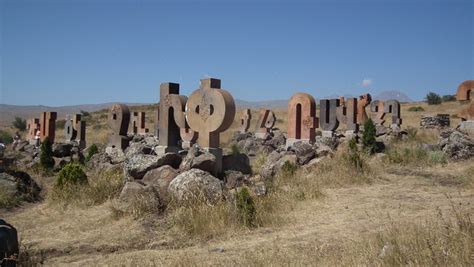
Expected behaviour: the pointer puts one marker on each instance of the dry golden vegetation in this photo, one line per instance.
(409, 207)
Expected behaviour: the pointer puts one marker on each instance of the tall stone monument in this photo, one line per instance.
(464, 94)
(210, 111)
(265, 123)
(137, 123)
(346, 113)
(328, 116)
(118, 120)
(48, 126)
(302, 120)
(362, 103)
(171, 118)
(75, 130)
(245, 119)
(32, 126)
(377, 107)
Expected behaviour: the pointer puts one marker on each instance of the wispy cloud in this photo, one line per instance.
(367, 82)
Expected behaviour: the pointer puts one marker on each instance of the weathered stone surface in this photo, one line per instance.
(32, 126)
(377, 107)
(195, 184)
(328, 114)
(62, 150)
(438, 121)
(75, 130)
(234, 179)
(238, 162)
(115, 154)
(138, 123)
(19, 185)
(465, 90)
(456, 145)
(9, 248)
(304, 152)
(364, 101)
(467, 127)
(138, 165)
(171, 116)
(48, 126)
(302, 120)
(245, 118)
(188, 137)
(118, 119)
(198, 159)
(134, 192)
(268, 169)
(160, 179)
(392, 107)
(265, 123)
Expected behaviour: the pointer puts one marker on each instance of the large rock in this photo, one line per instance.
(277, 140)
(160, 179)
(116, 155)
(456, 145)
(199, 159)
(304, 152)
(267, 171)
(9, 248)
(20, 186)
(237, 162)
(135, 193)
(234, 179)
(196, 184)
(61, 150)
(138, 165)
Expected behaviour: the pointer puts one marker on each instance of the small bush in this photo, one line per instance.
(19, 123)
(5, 137)
(368, 136)
(235, 149)
(71, 174)
(433, 98)
(46, 155)
(353, 156)
(416, 109)
(91, 152)
(288, 169)
(411, 132)
(245, 207)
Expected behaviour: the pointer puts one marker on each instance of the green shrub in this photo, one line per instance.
(433, 98)
(5, 137)
(235, 149)
(288, 169)
(416, 109)
(91, 152)
(71, 174)
(368, 136)
(245, 207)
(46, 155)
(19, 123)
(353, 155)
(449, 98)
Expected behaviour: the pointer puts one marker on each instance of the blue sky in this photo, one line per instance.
(77, 52)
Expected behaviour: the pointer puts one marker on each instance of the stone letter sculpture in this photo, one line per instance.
(265, 123)
(171, 117)
(377, 107)
(346, 113)
(210, 111)
(465, 90)
(302, 120)
(328, 116)
(393, 107)
(188, 138)
(48, 126)
(119, 117)
(137, 123)
(75, 130)
(364, 101)
(32, 126)
(245, 119)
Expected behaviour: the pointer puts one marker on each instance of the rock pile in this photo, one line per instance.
(438, 121)
(455, 144)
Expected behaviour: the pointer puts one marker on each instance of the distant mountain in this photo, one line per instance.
(386, 95)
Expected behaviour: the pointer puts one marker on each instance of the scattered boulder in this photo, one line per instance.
(160, 179)
(304, 152)
(438, 121)
(268, 169)
(135, 192)
(9, 248)
(455, 144)
(116, 155)
(195, 184)
(19, 185)
(61, 150)
(199, 159)
(234, 179)
(138, 165)
(237, 162)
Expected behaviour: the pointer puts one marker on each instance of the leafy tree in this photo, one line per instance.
(368, 137)
(46, 155)
(19, 123)
(448, 98)
(433, 98)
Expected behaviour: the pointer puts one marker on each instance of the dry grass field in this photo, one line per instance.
(415, 211)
